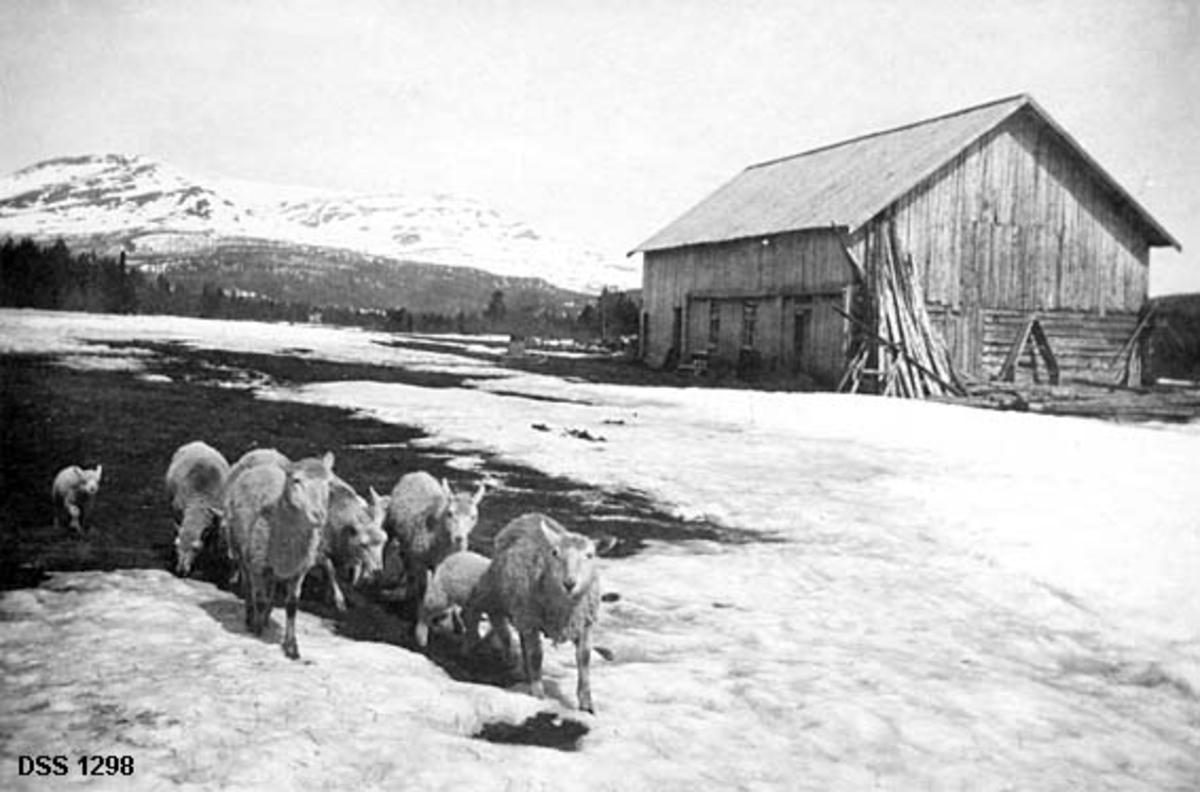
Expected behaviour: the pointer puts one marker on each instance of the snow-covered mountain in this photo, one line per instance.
(152, 208)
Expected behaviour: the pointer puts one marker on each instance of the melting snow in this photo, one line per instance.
(961, 600)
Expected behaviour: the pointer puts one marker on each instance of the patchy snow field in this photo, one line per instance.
(956, 599)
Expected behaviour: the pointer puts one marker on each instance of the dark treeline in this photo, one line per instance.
(51, 277)
(54, 278)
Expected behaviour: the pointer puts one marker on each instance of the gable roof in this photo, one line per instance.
(848, 183)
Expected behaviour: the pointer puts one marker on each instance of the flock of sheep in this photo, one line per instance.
(278, 519)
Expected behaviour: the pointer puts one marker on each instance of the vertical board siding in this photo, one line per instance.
(789, 264)
(1016, 221)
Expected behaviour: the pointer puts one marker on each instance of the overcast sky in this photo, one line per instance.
(599, 121)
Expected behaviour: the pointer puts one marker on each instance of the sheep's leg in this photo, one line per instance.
(503, 629)
(471, 620)
(531, 656)
(260, 595)
(583, 659)
(339, 599)
(74, 514)
(290, 649)
(415, 580)
(246, 588)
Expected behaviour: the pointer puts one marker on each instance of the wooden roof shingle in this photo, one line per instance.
(848, 183)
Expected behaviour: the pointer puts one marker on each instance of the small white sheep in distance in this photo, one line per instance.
(428, 521)
(353, 536)
(195, 484)
(449, 589)
(276, 519)
(73, 494)
(544, 580)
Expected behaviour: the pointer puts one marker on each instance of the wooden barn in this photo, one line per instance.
(996, 212)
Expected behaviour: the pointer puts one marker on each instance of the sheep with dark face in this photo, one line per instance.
(353, 537)
(544, 580)
(427, 521)
(73, 494)
(276, 517)
(195, 484)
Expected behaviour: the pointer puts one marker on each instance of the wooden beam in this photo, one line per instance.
(896, 348)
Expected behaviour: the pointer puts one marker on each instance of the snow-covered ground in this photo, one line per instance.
(956, 599)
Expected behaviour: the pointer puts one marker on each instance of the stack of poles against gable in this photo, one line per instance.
(898, 350)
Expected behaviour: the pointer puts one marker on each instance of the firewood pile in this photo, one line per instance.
(899, 352)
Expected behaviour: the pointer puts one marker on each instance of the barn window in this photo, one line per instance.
(714, 323)
(749, 323)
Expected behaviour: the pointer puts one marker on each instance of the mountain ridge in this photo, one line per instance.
(397, 245)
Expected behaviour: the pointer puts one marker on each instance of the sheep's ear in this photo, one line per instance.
(327, 461)
(374, 495)
(99, 471)
(446, 488)
(605, 544)
(551, 536)
(478, 496)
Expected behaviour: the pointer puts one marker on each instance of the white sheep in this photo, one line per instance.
(427, 521)
(248, 460)
(448, 590)
(276, 518)
(73, 494)
(543, 579)
(256, 457)
(195, 484)
(353, 536)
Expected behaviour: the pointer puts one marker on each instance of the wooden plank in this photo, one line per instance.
(1008, 369)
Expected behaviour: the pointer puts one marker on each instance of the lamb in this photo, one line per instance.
(426, 522)
(543, 579)
(276, 519)
(353, 536)
(73, 494)
(448, 590)
(195, 483)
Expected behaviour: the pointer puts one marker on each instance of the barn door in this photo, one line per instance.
(815, 338)
(802, 351)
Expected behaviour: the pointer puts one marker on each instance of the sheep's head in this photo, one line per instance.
(461, 516)
(307, 487)
(572, 560)
(89, 485)
(366, 538)
(190, 533)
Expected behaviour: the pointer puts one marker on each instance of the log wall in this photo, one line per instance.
(1084, 343)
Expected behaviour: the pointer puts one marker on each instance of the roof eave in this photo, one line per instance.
(832, 226)
(1165, 237)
